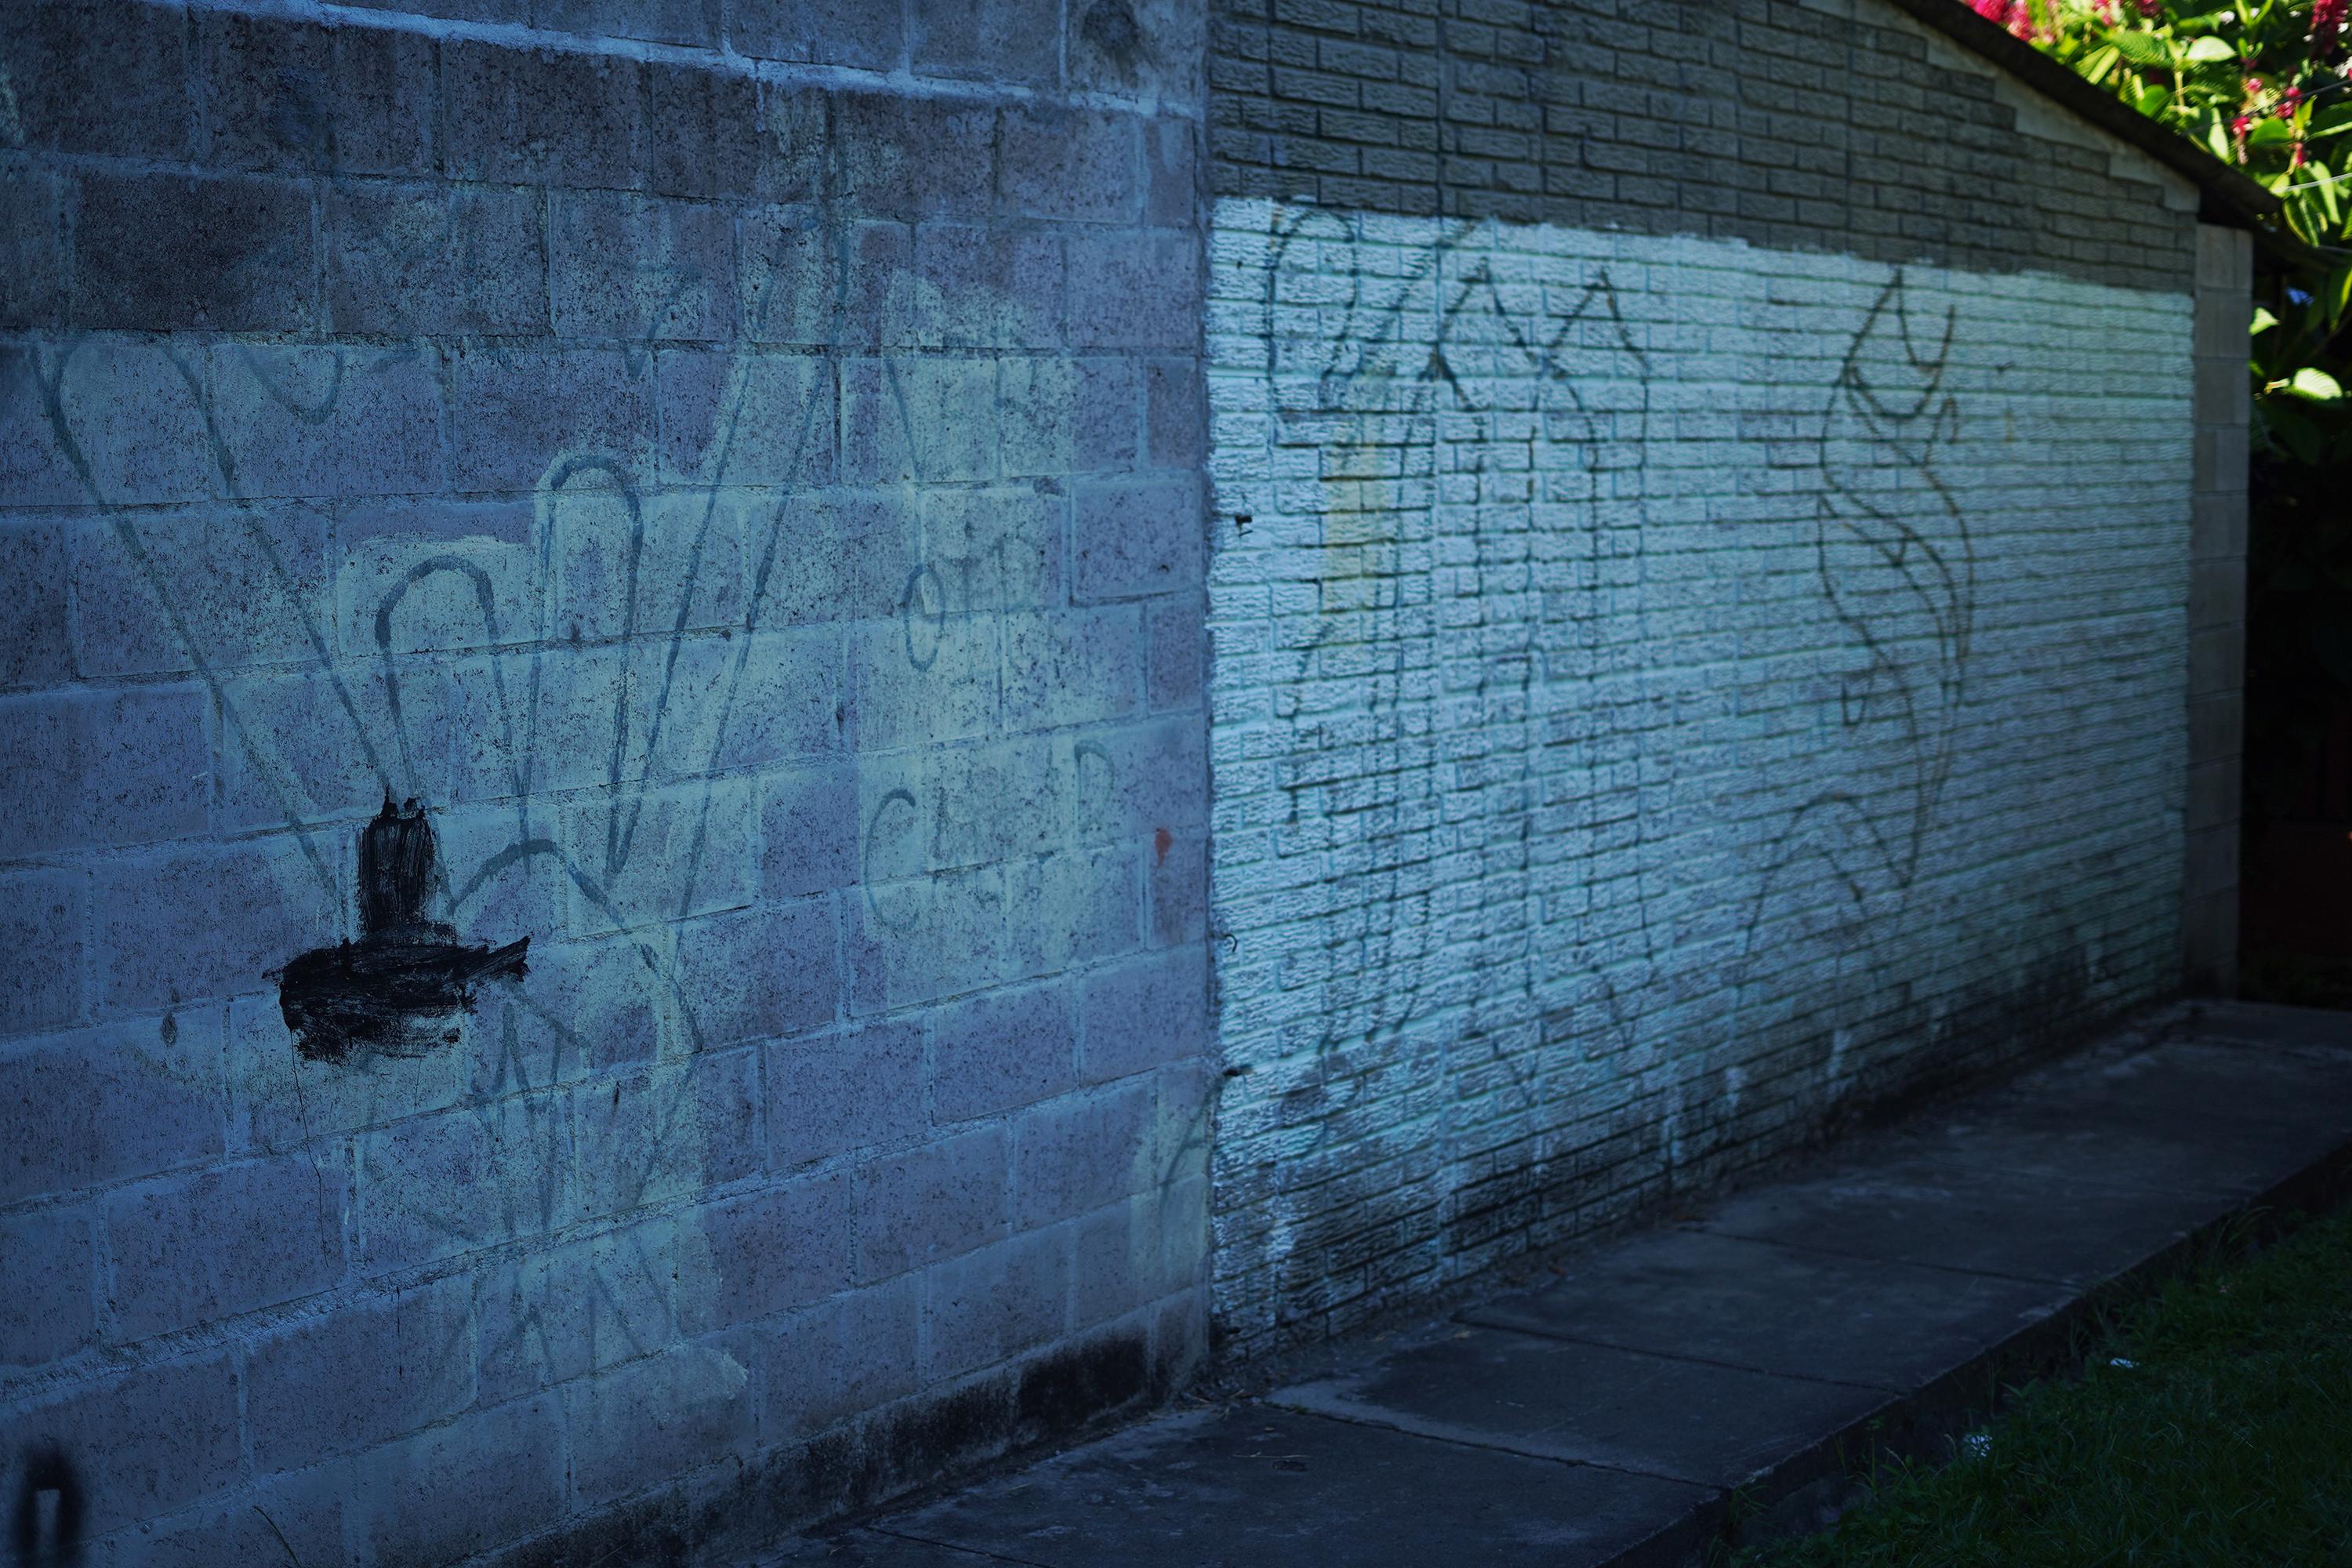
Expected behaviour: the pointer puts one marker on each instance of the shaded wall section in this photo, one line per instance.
(666, 585)
(1698, 605)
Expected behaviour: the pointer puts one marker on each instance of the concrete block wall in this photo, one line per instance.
(2217, 611)
(737, 468)
(1699, 609)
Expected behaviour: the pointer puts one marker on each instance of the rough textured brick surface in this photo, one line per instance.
(649, 434)
(1623, 679)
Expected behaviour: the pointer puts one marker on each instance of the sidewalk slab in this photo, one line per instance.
(1691, 1421)
(1257, 1485)
(1768, 1342)
(1770, 1308)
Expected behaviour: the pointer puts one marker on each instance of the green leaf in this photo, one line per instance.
(2142, 48)
(2209, 51)
(2264, 321)
(2270, 133)
(2317, 384)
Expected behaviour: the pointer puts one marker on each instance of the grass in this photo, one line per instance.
(2211, 1425)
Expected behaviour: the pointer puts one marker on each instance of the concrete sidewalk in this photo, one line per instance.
(1763, 1348)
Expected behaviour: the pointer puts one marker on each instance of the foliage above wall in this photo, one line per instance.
(2266, 86)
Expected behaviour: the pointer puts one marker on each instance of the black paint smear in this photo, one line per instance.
(46, 1470)
(398, 990)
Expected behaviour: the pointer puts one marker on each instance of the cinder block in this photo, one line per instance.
(298, 1515)
(2217, 529)
(1179, 666)
(121, 767)
(52, 1308)
(1072, 666)
(328, 421)
(921, 680)
(528, 116)
(651, 858)
(33, 269)
(1145, 1012)
(745, 418)
(675, 1413)
(914, 158)
(574, 418)
(855, 1352)
(789, 273)
(1135, 290)
(842, 1091)
(867, 34)
(304, 747)
(1078, 165)
(463, 1179)
(1135, 537)
(983, 288)
(1017, 41)
(930, 420)
(809, 832)
(931, 1204)
(641, 269)
(243, 255)
(86, 78)
(166, 592)
(775, 1249)
(688, 22)
(361, 1374)
(759, 973)
(487, 1478)
(1061, 416)
(1133, 1253)
(1003, 1050)
(2216, 593)
(200, 1248)
(1179, 889)
(1082, 1152)
(2217, 660)
(672, 1132)
(710, 140)
(926, 937)
(142, 1443)
(560, 1313)
(132, 414)
(843, 555)
(427, 259)
(385, 97)
(35, 469)
(1073, 907)
(265, 901)
(98, 1105)
(43, 920)
(280, 1101)
(993, 550)
(1171, 147)
(267, 89)
(991, 1305)
(1175, 413)
(434, 575)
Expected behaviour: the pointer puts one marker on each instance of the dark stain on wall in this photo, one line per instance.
(399, 989)
(45, 1526)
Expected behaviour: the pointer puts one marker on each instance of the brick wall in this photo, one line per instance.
(737, 469)
(1701, 545)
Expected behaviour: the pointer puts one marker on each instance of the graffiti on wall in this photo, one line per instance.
(1600, 639)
